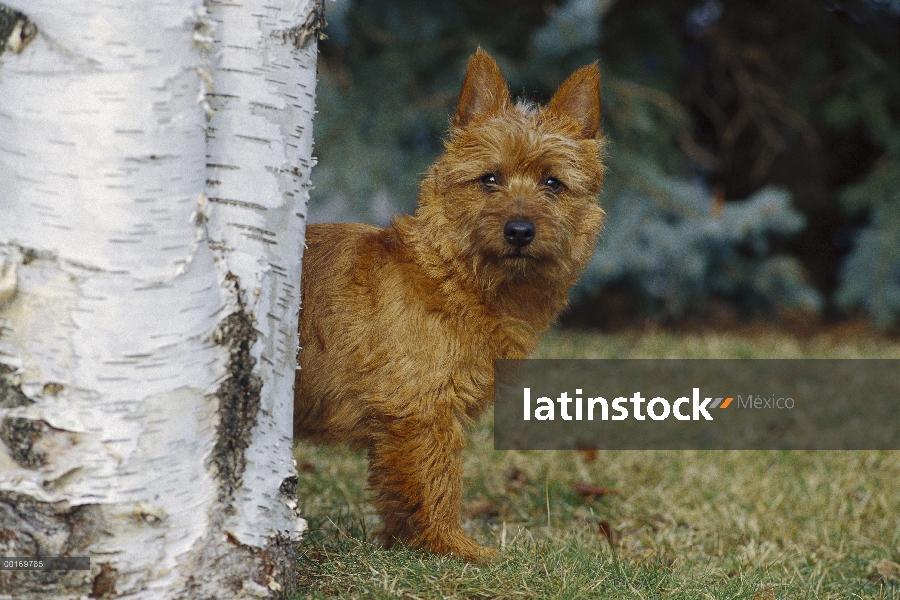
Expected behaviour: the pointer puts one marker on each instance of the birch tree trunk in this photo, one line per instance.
(154, 170)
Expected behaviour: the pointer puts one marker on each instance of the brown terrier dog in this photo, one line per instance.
(400, 326)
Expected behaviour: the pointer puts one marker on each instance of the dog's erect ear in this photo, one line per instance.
(484, 90)
(579, 98)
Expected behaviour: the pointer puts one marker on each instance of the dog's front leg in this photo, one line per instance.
(416, 472)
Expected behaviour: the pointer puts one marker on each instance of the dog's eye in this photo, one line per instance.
(489, 180)
(553, 184)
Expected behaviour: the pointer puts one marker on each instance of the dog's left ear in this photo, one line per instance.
(579, 98)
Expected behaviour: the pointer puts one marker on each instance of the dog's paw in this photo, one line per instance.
(479, 554)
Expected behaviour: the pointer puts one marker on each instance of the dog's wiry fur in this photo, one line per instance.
(400, 325)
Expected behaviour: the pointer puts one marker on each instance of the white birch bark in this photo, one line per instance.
(154, 169)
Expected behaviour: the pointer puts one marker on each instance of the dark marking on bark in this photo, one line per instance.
(239, 402)
(20, 435)
(307, 32)
(63, 480)
(11, 394)
(30, 528)
(16, 30)
(53, 389)
(29, 255)
(288, 487)
(104, 584)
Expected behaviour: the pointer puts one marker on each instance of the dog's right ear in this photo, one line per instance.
(484, 90)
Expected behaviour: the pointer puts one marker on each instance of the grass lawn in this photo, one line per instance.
(754, 525)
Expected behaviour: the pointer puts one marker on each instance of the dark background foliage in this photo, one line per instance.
(754, 164)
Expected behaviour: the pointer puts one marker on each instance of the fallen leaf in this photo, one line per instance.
(612, 536)
(516, 478)
(588, 455)
(307, 468)
(766, 594)
(591, 491)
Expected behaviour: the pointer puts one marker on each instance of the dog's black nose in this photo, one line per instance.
(519, 233)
